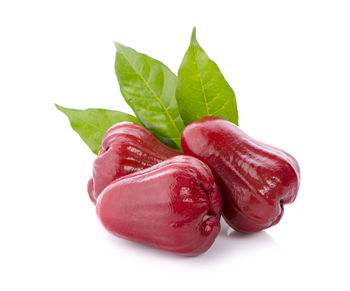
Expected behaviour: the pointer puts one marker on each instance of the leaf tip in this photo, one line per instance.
(118, 45)
(58, 107)
(193, 36)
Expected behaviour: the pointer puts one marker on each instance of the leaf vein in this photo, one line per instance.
(201, 82)
(154, 93)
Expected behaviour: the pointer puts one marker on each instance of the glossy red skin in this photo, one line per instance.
(174, 206)
(255, 179)
(126, 148)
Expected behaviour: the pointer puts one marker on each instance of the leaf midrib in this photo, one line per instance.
(152, 91)
(200, 80)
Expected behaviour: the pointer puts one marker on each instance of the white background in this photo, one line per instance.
(289, 64)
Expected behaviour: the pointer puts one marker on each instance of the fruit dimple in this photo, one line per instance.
(205, 217)
(215, 201)
(209, 224)
(211, 219)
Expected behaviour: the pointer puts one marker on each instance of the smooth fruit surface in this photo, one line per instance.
(255, 179)
(126, 148)
(175, 206)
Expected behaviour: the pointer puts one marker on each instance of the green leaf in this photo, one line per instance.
(202, 89)
(149, 87)
(92, 124)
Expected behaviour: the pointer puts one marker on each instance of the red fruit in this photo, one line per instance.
(174, 205)
(126, 148)
(255, 179)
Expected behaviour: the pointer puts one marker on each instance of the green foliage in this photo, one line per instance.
(149, 87)
(162, 102)
(91, 124)
(202, 89)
